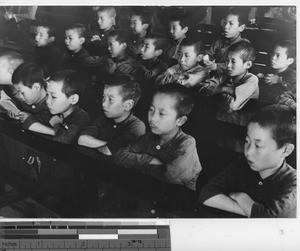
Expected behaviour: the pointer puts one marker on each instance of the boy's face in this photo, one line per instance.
(231, 26)
(73, 41)
(105, 21)
(28, 95)
(235, 66)
(136, 25)
(261, 150)
(177, 32)
(42, 36)
(148, 50)
(279, 59)
(112, 102)
(115, 49)
(162, 116)
(188, 57)
(57, 101)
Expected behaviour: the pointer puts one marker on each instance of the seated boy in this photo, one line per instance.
(178, 27)
(280, 77)
(64, 90)
(141, 23)
(187, 72)
(106, 21)
(118, 126)
(234, 23)
(46, 54)
(166, 153)
(260, 184)
(29, 83)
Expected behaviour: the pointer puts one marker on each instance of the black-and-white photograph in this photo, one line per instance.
(148, 111)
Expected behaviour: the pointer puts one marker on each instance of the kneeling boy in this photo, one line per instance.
(166, 153)
(260, 184)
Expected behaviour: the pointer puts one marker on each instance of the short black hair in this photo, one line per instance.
(73, 82)
(122, 36)
(145, 14)
(196, 42)
(28, 74)
(161, 42)
(49, 26)
(129, 87)
(280, 120)
(182, 18)
(289, 45)
(183, 95)
(80, 29)
(240, 12)
(248, 52)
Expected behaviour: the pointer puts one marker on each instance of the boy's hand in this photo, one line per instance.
(155, 161)
(272, 79)
(183, 79)
(95, 37)
(23, 116)
(55, 120)
(13, 115)
(210, 65)
(111, 66)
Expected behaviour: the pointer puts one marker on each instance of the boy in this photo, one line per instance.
(187, 72)
(118, 126)
(178, 27)
(119, 62)
(106, 21)
(280, 77)
(140, 24)
(234, 23)
(166, 153)
(260, 184)
(64, 90)
(28, 80)
(46, 54)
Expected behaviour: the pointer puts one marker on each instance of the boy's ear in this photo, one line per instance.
(146, 26)
(181, 120)
(51, 39)
(158, 52)
(185, 29)
(248, 64)
(36, 86)
(242, 27)
(199, 57)
(128, 104)
(288, 149)
(74, 99)
(82, 40)
(290, 61)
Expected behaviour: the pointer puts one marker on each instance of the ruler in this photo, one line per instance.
(83, 235)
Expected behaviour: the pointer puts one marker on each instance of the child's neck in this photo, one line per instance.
(120, 57)
(268, 172)
(75, 51)
(233, 38)
(281, 69)
(239, 77)
(42, 95)
(122, 118)
(142, 34)
(69, 111)
(164, 138)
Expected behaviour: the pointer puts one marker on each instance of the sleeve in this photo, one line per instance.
(129, 135)
(243, 93)
(222, 183)
(67, 134)
(212, 50)
(288, 80)
(125, 68)
(282, 207)
(185, 168)
(42, 117)
(94, 129)
(168, 76)
(287, 98)
(133, 155)
(150, 74)
(91, 61)
(208, 87)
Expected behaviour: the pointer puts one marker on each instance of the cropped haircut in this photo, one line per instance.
(129, 88)
(80, 29)
(161, 42)
(122, 36)
(280, 120)
(146, 16)
(246, 49)
(110, 10)
(196, 42)
(73, 82)
(28, 74)
(289, 45)
(14, 59)
(182, 18)
(183, 96)
(241, 13)
(50, 28)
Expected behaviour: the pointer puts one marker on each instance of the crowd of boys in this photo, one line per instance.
(148, 83)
